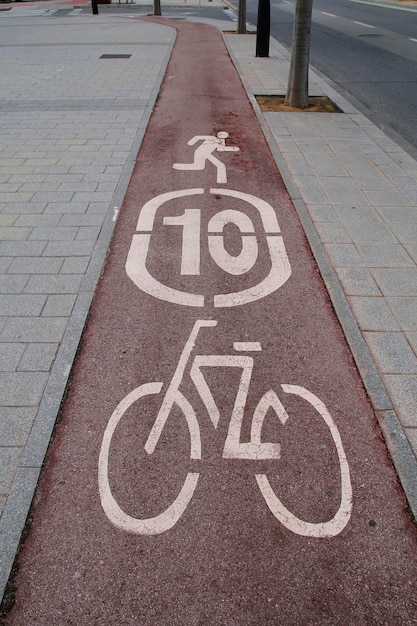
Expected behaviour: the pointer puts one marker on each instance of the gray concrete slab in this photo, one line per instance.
(358, 207)
(70, 130)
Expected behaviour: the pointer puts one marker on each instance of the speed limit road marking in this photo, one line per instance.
(190, 264)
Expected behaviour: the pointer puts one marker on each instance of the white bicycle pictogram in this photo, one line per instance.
(234, 448)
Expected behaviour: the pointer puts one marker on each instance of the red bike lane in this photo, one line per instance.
(217, 460)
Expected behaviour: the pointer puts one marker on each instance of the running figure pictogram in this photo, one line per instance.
(204, 153)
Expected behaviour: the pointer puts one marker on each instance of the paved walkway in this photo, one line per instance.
(71, 126)
(356, 193)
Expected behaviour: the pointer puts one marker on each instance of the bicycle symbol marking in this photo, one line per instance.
(190, 221)
(234, 448)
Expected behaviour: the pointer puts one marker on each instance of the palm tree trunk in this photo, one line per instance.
(297, 90)
(241, 17)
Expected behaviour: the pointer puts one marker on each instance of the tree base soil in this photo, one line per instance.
(316, 104)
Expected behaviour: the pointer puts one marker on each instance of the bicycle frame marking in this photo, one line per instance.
(255, 449)
(174, 395)
(279, 272)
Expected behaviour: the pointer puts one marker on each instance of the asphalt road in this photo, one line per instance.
(368, 51)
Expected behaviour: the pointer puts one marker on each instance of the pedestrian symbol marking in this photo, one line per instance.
(204, 153)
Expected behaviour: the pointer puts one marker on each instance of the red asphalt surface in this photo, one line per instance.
(228, 559)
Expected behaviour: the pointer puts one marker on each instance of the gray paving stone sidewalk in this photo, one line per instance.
(70, 128)
(355, 191)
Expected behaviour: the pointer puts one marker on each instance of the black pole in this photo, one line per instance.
(263, 28)
(94, 7)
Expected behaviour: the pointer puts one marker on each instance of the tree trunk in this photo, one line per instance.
(297, 90)
(157, 7)
(241, 17)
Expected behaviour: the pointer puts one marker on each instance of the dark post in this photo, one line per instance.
(94, 7)
(263, 28)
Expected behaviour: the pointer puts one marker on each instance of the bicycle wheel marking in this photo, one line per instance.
(234, 448)
(153, 525)
(334, 526)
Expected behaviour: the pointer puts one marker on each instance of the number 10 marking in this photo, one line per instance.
(190, 221)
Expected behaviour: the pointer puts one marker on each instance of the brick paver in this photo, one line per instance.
(70, 129)
(357, 202)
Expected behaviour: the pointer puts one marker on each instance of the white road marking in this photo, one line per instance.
(234, 448)
(204, 153)
(395, 7)
(243, 262)
(123, 521)
(362, 24)
(334, 526)
(279, 272)
(136, 267)
(247, 346)
(191, 222)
